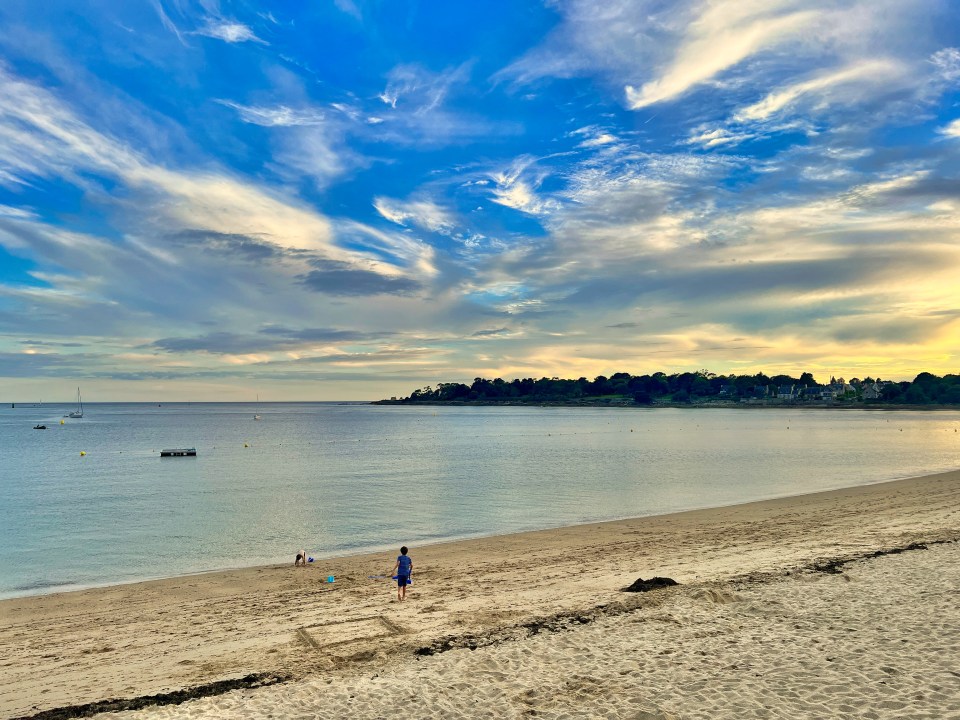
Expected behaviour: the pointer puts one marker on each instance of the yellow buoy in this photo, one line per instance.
(245, 445)
(82, 453)
(61, 422)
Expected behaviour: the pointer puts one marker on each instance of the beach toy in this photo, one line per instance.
(309, 559)
(330, 578)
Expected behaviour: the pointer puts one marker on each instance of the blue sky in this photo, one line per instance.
(204, 200)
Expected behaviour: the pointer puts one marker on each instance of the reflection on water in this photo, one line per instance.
(340, 478)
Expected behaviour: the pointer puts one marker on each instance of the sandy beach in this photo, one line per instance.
(835, 604)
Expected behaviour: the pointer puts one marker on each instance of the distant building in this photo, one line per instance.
(786, 392)
(820, 393)
(870, 391)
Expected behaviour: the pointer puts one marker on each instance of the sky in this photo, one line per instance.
(352, 199)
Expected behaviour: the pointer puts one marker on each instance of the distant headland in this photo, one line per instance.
(700, 389)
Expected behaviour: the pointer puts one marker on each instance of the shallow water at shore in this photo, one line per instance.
(342, 478)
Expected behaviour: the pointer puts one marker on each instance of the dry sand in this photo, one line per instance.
(535, 624)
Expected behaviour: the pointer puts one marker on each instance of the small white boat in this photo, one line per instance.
(78, 413)
(256, 415)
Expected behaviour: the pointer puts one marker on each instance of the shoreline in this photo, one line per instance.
(376, 550)
(719, 405)
(161, 636)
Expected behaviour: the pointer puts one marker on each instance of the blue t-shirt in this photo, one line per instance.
(405, 564)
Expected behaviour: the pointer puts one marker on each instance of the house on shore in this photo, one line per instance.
(786, 392)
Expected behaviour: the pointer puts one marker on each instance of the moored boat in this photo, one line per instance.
(78, 413)
(178, 452)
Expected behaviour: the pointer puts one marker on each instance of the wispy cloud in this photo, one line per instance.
(836, 82)
(425, 214)
(204, 205)
(165, 19)
(593, 136)
(422, 90)
(229, 31)
(417, 107)
(516, 187)
(724, 35)
(309, 141)
(947, 63)
(277, 116)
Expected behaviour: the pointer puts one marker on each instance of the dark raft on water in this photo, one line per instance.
(179, 452)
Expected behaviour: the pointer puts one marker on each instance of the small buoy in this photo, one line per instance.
(82, 453)
(61, 422)
(330, 578)
(245, 445)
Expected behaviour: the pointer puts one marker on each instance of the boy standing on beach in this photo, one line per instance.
(403, 569)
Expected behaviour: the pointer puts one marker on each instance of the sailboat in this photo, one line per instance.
(256, 415)
(78, 413)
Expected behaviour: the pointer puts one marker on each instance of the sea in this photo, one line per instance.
(91, 502)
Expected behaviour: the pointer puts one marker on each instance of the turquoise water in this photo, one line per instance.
(343, 478)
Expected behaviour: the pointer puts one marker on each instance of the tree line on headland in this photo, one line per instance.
(701, 387)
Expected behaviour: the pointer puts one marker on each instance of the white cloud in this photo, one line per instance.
(422, 213)
(315, 153)
(951, 130)
(598, 140)
(405, 251)
(718, 137)
(229, 31)
(515, 188)
(422, 89)
(871, 192)
(308, 144)
(947, 63)
(20, 213)
(728, 32)
(165, 20)
(594, 137)
(878, 73)
(52, 141)
(276, 116)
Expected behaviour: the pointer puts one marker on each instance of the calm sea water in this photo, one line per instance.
(343, 478)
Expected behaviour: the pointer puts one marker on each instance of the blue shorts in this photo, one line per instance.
(403, 580)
